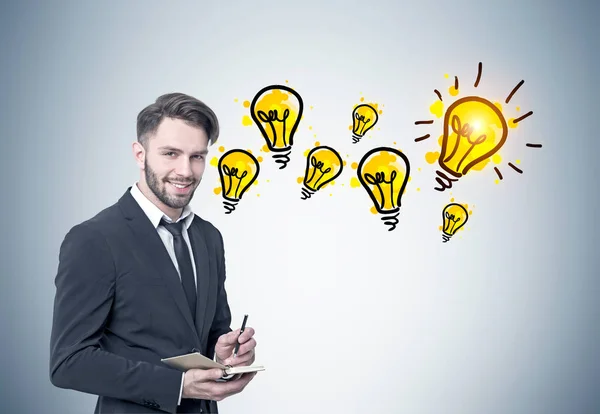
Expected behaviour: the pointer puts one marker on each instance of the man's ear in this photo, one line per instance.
(139, 153)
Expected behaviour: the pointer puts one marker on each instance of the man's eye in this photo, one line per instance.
(168, 154)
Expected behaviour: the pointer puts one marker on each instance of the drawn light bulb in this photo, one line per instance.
(277, 111)
(454, 217)
(323, 165)
(238, 169)
(474, 130)
(364, 117)
(384, 172)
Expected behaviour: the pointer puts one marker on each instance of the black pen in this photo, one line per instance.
(237, 346)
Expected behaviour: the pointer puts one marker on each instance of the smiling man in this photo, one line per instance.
(144, 279)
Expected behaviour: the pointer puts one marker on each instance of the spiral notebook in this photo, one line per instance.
(196, 360)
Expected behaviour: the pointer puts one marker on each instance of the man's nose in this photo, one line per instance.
(184, 167)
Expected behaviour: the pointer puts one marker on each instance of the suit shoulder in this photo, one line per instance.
(95, 228)
(207, 227)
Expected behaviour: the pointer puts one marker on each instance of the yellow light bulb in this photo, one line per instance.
(277, 110)
(364, 117)
(384, 172)
(238, 169)
(323, 165)
(454, 217)
(474, 130)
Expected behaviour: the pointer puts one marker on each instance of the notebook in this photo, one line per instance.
(196, 360)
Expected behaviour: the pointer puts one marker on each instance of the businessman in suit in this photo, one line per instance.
(144, 279)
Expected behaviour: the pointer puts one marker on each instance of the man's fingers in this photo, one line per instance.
(245, 359)
(231, 338)
(246, 335)
(205, 375)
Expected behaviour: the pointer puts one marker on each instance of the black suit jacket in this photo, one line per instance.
(120, 307)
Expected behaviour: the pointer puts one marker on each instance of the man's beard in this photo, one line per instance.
(159, 188)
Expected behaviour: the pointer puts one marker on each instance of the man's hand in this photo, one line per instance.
(201, 384)
(226, 344)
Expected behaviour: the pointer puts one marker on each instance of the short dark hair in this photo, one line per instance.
(178, 106)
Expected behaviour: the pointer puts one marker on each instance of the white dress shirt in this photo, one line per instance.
(155, 215)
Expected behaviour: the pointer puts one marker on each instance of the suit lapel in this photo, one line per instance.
(202, 261)
(157, 256)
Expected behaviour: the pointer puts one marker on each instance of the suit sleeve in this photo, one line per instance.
(85, 287)
(222, 320)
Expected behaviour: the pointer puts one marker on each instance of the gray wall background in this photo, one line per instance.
(349, 318)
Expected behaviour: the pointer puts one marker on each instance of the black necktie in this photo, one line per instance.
(184, 262)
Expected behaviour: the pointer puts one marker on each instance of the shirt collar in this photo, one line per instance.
(154, 213)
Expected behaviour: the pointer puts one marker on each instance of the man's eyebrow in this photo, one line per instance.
(173, 149)
(168, 148)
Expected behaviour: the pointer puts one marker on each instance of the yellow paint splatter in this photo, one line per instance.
(437, 108)
(418, 189)
(518, 161)
(498, 105)
(452, 200)
(511, 123)
(217, 190)
(310, 127)
(265, 148)
(221, 148)
(373, 210)
(246, 104)
(354, 165)
(453, 91)
(419, 169)
(362, 99)
(518, 108)
(440, 140)
(311, 107)
(305, 153)
(331, 182)
(214, 161)
(496, 159)
(246, 120)
(432, 157)
(344, 163)
(497, 181)
(259, 159)
(299, 180)
(446, 75)
(317, 143)
(258, 195)
(354, 183)
(255, 182)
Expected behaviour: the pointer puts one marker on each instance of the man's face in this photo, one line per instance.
(175, 162)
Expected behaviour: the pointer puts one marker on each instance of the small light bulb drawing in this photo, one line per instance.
(238, 169)
(323, 165)
(454, 217)
(364, 117)
(277, 111)
(384, 172)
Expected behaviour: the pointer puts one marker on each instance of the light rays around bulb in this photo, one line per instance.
(474, 131)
